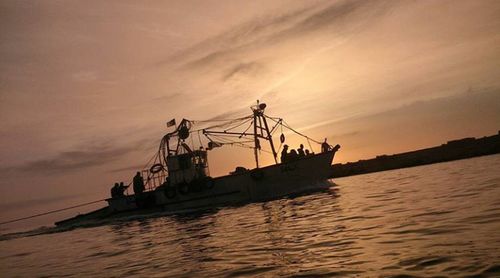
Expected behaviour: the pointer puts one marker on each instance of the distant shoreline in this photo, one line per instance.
(451, 150)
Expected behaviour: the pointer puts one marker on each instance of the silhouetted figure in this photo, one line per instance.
(114, 191)
(121, 190)
(293, 155)
(284, 154)
(325, 146)
(300, 151)
(138, 183)
(307, 152)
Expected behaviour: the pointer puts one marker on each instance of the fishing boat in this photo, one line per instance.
(177, 178)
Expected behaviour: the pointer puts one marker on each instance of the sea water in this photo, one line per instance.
(434, 220)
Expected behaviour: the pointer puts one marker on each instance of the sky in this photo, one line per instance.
(86, 87)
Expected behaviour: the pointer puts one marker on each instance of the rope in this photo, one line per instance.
(50, 212)
(245, 131)
(192, 143)
(225, 123)
(220, 120)
(310, 146)
(305, 136)
(199, 138)
(239, 124)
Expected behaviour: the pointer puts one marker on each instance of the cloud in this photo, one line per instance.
(469, 105)
(346, 134)
(347, 16)
(235, 37)
(232, 114)
(36, 202)
(337, 14)
(73, 160)
(252, 68)
(266, 54)
(128, 168)
(85, 76)
(167, 98)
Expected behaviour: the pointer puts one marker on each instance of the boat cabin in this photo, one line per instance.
(187, 167)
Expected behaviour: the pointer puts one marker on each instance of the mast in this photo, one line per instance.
(270, 138)
(255, 135)
(256, 139)
(260, 131)
(264, 133)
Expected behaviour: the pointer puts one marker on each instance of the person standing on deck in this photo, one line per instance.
(284, 154)
(138, 183)
(300, 151)
(121, 189)
(114, 191)
(325, 147)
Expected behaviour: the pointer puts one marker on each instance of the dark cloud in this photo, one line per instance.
(232, 114)
(168, 98)
(337, 13)
(289, 26)
(73, 160)
(240, 35)
(128, 168)
(36, 202)
(207, 59)
(251, 68)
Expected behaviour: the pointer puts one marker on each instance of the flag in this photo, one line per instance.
(171, 123)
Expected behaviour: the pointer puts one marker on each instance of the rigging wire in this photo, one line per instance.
(50, 212)
(230, 124)
(192, 142)
(285, 124)
(199, 138)
(239, 124)
(224, 124)
(222, 140)
(245, 131)
(278, 123)
(214, 120)
(305, 136)
(310, 146)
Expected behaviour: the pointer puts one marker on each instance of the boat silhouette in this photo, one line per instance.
(178, 178)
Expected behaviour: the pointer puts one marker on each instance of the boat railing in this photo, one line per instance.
(152, 181)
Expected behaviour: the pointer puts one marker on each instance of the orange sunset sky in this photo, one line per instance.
(86, 87)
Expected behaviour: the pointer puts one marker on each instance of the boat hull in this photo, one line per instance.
(303, 175)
